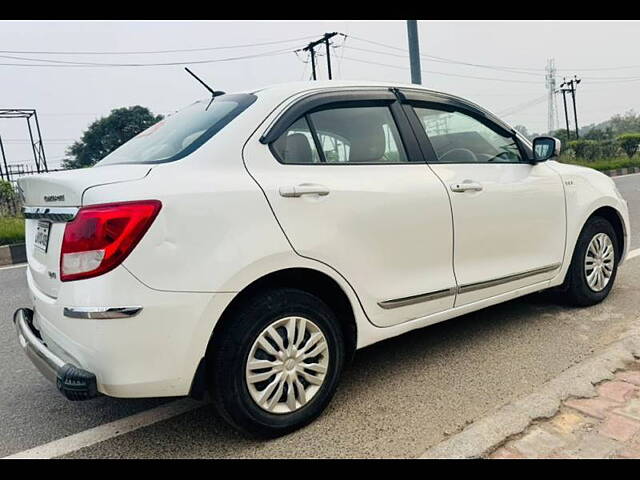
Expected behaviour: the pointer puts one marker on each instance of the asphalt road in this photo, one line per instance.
(397, 398)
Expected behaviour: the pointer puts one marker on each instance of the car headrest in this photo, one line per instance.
(368, 145)
(297, 149)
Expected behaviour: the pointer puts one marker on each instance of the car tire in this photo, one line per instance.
(250, 335)
(577, 289)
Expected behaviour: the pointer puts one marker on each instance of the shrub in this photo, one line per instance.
(586, 149)
(629, 143)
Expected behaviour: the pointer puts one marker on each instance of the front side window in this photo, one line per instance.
(181, 133)
(344, 135)
(459, 138)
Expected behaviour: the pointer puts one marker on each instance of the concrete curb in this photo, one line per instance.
(485, 435)
(12, 254)
(617, 172)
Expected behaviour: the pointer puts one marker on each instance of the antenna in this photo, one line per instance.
(214, 93)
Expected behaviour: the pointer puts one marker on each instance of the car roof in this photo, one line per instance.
(292, 88)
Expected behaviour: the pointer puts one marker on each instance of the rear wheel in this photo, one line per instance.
(276, 365)
(594, 263)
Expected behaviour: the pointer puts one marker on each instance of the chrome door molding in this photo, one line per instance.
(509, 278)
(426, 297)
(53, 214)
(412, 300)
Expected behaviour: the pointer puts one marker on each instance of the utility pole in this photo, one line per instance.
(311, 49)
(4, 160)
(566, 115)
(574, 83)
(313, 63)
(550, 80)
(571, 87)
(414, 51)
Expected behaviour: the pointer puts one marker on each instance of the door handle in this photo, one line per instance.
(465, 186)
(303, 189)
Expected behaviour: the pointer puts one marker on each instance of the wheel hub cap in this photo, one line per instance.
(599, 261)
(287, 365)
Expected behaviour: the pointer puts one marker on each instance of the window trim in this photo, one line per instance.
(337, 100)
(424, 140)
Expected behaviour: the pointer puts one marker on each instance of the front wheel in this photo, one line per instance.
(594, 263)
(277, 363)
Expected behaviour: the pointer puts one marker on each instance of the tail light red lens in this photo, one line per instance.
(102, 236)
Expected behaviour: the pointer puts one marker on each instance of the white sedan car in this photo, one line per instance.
(249, 244)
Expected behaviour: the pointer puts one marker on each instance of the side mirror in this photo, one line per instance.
(545, 148)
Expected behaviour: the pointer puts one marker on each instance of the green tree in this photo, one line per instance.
(585, 149)
(107, 133)
(561, 135)
(8, 198)
(599, 134)
(523, 130)
(628, 122)
(629, 143)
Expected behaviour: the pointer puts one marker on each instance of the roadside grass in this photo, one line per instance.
(604, 163)
(11, 230)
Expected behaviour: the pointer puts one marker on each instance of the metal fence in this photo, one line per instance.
(11, 204)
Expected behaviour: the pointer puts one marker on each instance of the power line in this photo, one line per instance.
(428, 59)
(512, 69)
(311, 49)
(448, 60)
(522, 106)
(442, 73)
(153, 52)
(65, 63)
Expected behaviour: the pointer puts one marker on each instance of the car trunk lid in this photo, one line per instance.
(51, 200)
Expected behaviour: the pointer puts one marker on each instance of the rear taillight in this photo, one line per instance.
(101, 236)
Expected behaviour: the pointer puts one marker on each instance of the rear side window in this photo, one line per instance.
(181, 133)
(341, 136)
(296, 144)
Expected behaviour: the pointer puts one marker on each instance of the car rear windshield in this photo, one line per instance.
(177, 135)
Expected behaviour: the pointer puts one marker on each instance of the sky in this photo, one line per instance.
(603, 54)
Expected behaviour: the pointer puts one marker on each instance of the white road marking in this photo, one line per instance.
(13, 266)
(110, 430)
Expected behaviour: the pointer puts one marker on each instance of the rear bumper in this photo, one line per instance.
(73, 382)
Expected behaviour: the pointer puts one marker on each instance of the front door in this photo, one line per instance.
(509, 214)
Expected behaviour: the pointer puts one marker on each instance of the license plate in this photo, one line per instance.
(42, 236)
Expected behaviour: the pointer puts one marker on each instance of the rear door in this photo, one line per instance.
(348, 184)
(508, 213)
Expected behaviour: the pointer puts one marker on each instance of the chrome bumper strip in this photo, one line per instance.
(54, 214)
(101, 313)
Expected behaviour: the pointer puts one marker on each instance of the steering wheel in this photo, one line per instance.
(471, 157)
(498, 156)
